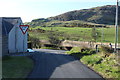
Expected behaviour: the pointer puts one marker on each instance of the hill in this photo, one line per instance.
(85, 17)
(99, 15)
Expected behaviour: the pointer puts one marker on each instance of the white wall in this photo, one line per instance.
(0, 48)
(21, 41)
(0, 37)
(11, 41)
(0, 45)
(17, 40)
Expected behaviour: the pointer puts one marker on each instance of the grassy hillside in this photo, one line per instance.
(80, 18)
(99, 15)
(72, 23)
(76, 33)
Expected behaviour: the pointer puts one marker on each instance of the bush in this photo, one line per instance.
(54, 38)
(87, 51)
(84, 50)
(106, 49)
(35, 42)
(48, 48)
(74, 50)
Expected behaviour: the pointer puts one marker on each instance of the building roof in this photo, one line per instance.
(8, 23)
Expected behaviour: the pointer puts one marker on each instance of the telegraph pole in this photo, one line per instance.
(116, 28)
(102, 35)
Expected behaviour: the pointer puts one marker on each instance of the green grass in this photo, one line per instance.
(106, 66)
(74, 50)
(76, 33)
(48, 48)
(0, 67)
(16, 67)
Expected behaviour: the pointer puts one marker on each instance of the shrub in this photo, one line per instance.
(84, 50)
(54, 38)
(87, 51)
(48, 48)
(35, 42)
(106, 49)
(74, 50)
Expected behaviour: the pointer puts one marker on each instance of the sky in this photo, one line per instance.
(33, 9)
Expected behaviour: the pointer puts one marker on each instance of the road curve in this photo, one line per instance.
(56, 64)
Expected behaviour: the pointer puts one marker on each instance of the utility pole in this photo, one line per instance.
(102, 35)
(116, 28)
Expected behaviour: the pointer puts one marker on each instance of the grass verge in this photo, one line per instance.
(48, 48)
(106, 65)
(16, 67)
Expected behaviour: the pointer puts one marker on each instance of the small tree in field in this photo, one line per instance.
(95, 34)
(54, 38)
(35, 42)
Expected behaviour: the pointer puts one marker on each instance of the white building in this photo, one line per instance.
(13, 40)
(0, 37)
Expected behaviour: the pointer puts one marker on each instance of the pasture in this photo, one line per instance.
(74, 33)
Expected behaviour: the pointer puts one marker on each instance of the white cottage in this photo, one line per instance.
(0, 37)
(13, 40)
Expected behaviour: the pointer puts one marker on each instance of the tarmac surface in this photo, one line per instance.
(57, 64)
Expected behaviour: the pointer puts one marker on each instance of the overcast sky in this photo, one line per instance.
(32, 9)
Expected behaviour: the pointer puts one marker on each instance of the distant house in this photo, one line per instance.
(13, 40)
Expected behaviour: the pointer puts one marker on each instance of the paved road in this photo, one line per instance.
(56, 64)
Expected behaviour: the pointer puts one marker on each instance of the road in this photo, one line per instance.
(56, 64)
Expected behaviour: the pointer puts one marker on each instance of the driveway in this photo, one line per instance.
(57, 64)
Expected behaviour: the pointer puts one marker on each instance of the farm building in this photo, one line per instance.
(13, 40)
(0, 38)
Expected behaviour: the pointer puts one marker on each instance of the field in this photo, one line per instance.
(16, 67)
(74, 33)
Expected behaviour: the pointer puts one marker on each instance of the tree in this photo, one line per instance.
(95, 34)
(54, 38)
(35, 42)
